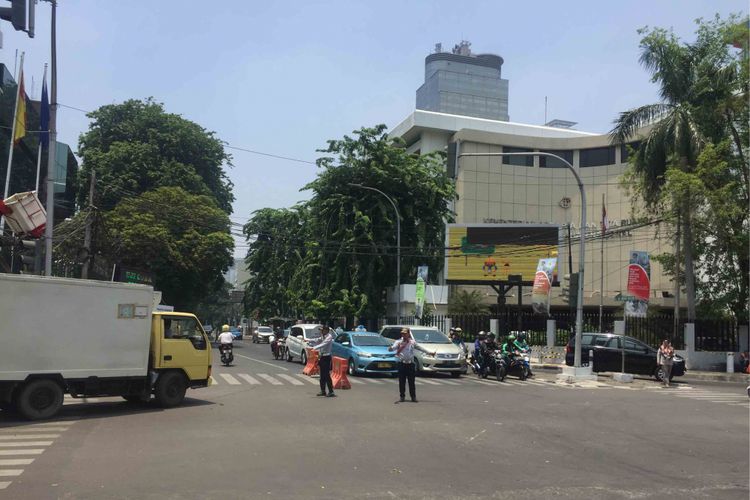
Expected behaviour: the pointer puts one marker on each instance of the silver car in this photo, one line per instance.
(449, 358)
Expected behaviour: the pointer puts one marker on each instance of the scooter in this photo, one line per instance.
(226, 354)
(520, 366)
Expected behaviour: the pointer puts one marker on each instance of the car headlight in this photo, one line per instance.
(461, 355)
(427, 355)
(365, 355)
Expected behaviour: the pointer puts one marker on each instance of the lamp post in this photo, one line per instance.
(579, 305)
(398, 247)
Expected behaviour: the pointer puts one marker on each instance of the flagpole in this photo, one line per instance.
(10, 148)
(39, 152)
(601, 286)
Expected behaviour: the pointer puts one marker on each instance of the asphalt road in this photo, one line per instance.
(260, 432)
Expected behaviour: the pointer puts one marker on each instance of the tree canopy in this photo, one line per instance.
(136, 146)
(341, 245)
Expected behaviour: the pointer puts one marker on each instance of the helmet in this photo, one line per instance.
(511, 337)
(225, 328)
(458, 329)
(491, 335)
(522, 336)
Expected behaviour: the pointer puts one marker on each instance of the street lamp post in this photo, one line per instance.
(579, 306)
(398, 247)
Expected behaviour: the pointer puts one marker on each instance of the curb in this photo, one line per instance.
(690, 375)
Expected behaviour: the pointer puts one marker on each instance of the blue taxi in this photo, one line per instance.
(367, 352)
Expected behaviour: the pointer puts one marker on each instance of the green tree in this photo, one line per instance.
(136, 147)
(703, 103)
(465, 302)
(182, 238)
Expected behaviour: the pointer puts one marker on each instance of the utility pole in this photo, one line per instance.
(601, 295)
(87, 234)
(676, 328)
(52, 151)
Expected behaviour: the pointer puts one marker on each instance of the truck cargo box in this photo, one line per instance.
(77, 328)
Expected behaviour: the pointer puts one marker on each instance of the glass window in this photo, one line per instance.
(429, 336)
(179, 328)
(521, 161)
(547, 162)
(596, 157)
(392, 333)
(296, 331)
(369, 340)
(342, 338)
(614, 343)
(586, 340)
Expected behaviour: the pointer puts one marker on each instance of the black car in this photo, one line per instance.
(640, 358)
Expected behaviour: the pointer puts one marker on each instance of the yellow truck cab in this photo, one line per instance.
(179, 343)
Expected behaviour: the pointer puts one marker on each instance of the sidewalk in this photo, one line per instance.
(689, 375)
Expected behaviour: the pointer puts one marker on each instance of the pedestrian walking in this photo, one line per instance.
(324, 346)
(664, 358)
(404, 348)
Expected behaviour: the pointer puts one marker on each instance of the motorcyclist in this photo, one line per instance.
(225, 338)
(456, 338)
(523, 346)
(487, 350)
(477, 353)
(509, 348)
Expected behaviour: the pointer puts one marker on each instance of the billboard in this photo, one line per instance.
(639, 284)
(490, 253)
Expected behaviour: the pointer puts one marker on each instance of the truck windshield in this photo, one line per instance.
(184, 328)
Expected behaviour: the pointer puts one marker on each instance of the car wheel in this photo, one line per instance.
(170, 389)
(289, 357)
(659, 374)
(456, 374)
(303, 358)
(352, 368)
(39, 399)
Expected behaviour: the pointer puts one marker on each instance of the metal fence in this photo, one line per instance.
(710, 334)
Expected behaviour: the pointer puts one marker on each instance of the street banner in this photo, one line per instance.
(423, 272)
(419, 298)
(639, 284)
(540, 293)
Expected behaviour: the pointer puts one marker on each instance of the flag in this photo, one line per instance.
(20, 113)
(44, 115)
(605, 220)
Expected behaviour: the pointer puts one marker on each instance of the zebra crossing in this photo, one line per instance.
(739, 399)
(21, 446)
(298, 380)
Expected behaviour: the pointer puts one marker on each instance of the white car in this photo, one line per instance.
(262, 334)
(296, 342)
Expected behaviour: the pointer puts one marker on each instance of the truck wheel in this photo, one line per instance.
(170, 389)
(39, 399)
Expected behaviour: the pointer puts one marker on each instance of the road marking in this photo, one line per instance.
(247, 378)
(4, 484)
(354, 380)
(53, 424)
(746, 405)
(29, 451)
(710, 396)
(10, 472)
(79, 401)
(450, 382)
(431, 382)
(481, 382)
(213, 381)
(289, 378)
(13, 437)
(16, 444)
(46, 429)
(307, 379)
(16, 461)
(270, 379)
(372, 381)
(265, 363)
(230, 379)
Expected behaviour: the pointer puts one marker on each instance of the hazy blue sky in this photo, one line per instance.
(283, 77)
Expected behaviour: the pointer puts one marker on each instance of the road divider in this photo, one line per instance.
(311, 368)
(338, 375)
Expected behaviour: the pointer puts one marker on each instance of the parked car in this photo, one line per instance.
(640, 358)
(367, 352)
(299, 336)
(262, 334)
(449, 358)
(236, 333)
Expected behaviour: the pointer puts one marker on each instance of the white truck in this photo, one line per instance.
(93, 338)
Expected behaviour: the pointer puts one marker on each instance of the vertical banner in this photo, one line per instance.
(540, 293)
(419, 298)
(639, 284)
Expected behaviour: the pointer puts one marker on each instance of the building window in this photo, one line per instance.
(520, 161)
(547, 162)
(625, 154)
(596, 157)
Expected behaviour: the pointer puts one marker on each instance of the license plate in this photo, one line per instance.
(383, 365)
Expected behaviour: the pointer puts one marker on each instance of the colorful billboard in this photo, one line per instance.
(639, 284)
(490, 253)
(542, 285)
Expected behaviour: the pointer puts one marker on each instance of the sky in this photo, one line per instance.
(283, 77)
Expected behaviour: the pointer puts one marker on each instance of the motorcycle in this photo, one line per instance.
(278, 347)
(520, 366)
(489, 365)
(226, 354)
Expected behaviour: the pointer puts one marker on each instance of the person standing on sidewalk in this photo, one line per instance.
(664, 358)
(404, 348)
(324, 345)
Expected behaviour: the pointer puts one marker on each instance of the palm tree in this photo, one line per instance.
(671, 131)
(463, 302)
